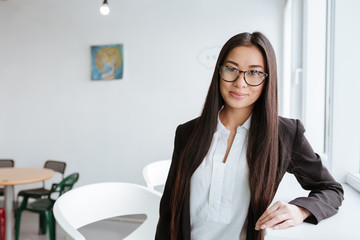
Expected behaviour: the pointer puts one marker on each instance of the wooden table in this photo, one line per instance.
(14, 176)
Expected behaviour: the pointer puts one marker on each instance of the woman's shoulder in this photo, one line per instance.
(289, 123)
(183, 131)
(289, 127)
(187, 126)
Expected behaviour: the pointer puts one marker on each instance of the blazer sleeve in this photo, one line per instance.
(163, 226)
(326, 195)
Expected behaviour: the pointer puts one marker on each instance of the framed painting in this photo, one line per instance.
(107, 62)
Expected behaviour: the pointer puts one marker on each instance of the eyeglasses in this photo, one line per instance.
(252, 77)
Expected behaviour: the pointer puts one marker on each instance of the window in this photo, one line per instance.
(304, 70)
(346, 113)
(320, 81)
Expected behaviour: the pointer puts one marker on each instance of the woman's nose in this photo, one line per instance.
(240, 81)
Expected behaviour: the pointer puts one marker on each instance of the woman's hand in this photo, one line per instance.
(282, 215)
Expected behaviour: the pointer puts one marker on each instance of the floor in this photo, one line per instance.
(116, 228)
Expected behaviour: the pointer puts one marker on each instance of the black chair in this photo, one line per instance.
(37, 193)
(5, 163)
(44, 206)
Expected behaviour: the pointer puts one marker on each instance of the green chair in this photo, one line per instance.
(44, 206)
(37, 193)
(58, 167)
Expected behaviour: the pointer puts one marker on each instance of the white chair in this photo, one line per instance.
(91, 203)
(155, 173)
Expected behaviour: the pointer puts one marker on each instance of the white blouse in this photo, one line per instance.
(219, 192)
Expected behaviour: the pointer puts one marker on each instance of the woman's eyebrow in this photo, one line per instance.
(256, 66)
(250, 66)
(232, 62)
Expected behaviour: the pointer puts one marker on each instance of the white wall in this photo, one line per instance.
(108, 130)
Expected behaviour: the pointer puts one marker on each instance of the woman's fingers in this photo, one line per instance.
(271, 213)
(282, 215)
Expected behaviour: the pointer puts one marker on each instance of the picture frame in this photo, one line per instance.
(107, 62)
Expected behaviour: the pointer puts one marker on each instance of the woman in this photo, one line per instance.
(228, 163)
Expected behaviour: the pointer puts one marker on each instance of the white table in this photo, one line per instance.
(14, 176)
(343, 225)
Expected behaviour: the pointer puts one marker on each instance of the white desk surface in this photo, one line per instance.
(344, 225)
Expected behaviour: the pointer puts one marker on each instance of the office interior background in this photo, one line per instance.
(109, 130)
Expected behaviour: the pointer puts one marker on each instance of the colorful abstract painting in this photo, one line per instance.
(107, 62)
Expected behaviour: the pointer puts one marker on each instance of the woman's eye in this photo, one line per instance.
(230, 69)
(253, 73)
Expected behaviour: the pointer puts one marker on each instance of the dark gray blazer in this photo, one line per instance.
(295, 156)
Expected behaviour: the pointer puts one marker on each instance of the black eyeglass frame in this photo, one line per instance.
(239, 72)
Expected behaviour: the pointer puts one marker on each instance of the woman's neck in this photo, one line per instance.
(232, 118)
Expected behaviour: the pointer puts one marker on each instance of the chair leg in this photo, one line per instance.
(42, 224)
(17, 224)
(51, 223)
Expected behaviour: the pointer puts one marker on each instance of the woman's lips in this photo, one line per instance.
(238, 95)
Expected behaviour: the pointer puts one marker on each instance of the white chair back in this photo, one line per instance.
(91, 203)
(155, 173)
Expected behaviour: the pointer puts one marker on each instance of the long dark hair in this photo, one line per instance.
(262, 149)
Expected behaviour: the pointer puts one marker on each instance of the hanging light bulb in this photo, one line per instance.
(104, 9)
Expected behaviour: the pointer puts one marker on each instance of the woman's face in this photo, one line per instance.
(238, 95)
